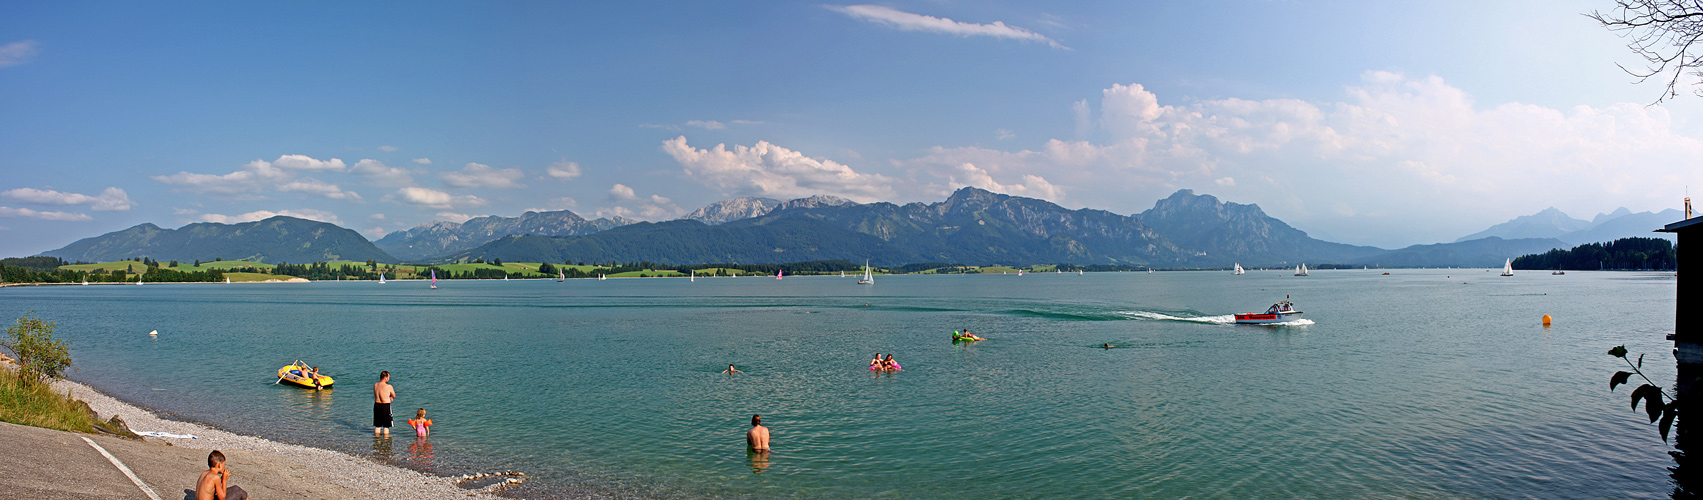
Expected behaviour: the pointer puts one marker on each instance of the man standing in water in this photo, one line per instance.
(757, 439)
(383, 394)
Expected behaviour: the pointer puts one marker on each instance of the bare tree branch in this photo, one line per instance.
(1663, 33)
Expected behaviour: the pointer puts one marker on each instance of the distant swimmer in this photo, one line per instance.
(731, 370)
(757, 439)
(875, 364)
(1108, 346)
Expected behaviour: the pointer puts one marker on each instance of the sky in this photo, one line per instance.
(1377, 123)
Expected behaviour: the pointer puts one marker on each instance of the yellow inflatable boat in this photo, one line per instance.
(300, 374)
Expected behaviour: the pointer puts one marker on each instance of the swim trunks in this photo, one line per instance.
(381, 415)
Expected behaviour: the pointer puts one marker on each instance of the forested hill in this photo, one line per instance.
(274, 240)
(1625, 253)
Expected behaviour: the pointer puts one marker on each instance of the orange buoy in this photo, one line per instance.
(1546, 320)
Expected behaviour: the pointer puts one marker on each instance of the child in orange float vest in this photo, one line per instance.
(422, 425)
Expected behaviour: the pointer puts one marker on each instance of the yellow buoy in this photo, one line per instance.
(1546, 320)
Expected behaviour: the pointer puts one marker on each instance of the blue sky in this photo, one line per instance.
(1356, 121)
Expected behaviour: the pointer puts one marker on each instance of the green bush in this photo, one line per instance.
(40, 356)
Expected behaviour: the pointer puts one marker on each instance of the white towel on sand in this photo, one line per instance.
(165, 435)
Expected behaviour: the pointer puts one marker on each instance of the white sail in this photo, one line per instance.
(227, 281)
(1239, 268)
(380, 278)
(1301, 270)
(868, 275)
(1508, 268)
(694, 278)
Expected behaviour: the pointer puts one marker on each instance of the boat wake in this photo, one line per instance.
(1212, 320)
(1299, 322)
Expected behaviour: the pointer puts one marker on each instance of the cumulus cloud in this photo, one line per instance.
(554, 204)
(382, 174)
(454, 217)
(110, 199)
(1400, 160)
(43, 215)
(432, 198)
(314, 186)
(564, 170)
(1029, 185)
(768, 170)
(304, 162)
(309, 214)
(423, 161)
(15, 53)
(476, 175)
(651, 207)
(907, 21)
(252, 177)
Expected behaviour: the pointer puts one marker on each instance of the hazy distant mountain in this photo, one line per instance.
(1549, 223)
(725, 211)
(274, 240)
(689, 241)
(1552, 223)
(1482, 252)
(1625, 224)
(1221, 233)
(437, 238)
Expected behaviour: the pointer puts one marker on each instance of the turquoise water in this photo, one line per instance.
(1422, 384)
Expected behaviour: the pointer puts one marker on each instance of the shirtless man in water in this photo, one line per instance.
(383, 394)
(757, 439)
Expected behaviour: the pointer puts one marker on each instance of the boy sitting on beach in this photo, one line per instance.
(422, 426)
(212, 484)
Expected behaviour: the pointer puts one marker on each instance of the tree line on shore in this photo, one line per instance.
(1635, 253)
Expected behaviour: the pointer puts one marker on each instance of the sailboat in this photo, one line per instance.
(843, 273)
(138, 281)
(868, 276)
(86, 282)
(434, 279)
(380, 279)
(505, 277)
(1019, 273)
(694, 278)
(600, 277)
(1078, 272)
(561, 276)
(1239, 270)
(779, 273)
(1301, 270)
(227, 281)
(1508, 268)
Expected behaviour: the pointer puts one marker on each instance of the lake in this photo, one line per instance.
(1420, 384)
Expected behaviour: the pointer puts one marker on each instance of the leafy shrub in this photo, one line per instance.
(40, 356)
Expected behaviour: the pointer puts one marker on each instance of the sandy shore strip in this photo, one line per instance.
(280, 464)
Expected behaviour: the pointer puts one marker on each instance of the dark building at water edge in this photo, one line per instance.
(1687, 340)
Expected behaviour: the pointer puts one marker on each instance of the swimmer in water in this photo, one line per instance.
(731, 370)
(1108, 346)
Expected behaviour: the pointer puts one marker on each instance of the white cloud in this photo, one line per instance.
(653, 207)
(252, 177)
(563, 170)
(44, 215)
(382, 174)
(314, 186)
(476, 175)
(1029, 185)
(706, 124)
(772, 171)
(303, 162)
(1003, 134)
(1400, 161)
(555, 204)
(620, 192)
(110, 199)
(387, 149)
(454, 217)
(309, 214)
(746, 122)
(917, 22)
(15, 53)
(375, 233)
(375, 217)
(423, 161)
(432, 198)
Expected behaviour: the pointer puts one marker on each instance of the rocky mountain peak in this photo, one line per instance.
(725, 211)
(820, 200)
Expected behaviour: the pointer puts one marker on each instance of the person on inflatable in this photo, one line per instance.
(889, 364)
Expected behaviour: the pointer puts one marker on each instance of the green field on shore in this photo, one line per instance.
(138, 266)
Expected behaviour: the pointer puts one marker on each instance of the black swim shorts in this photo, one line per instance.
(381, 415)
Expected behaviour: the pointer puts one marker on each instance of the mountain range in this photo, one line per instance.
(274, 240)
(972, 226)
(1552, 223)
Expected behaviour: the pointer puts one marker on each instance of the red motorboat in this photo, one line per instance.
(1281, 312)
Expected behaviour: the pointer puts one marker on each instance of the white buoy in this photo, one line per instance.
(154, 333)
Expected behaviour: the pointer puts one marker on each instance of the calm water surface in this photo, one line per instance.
(1422, 384)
